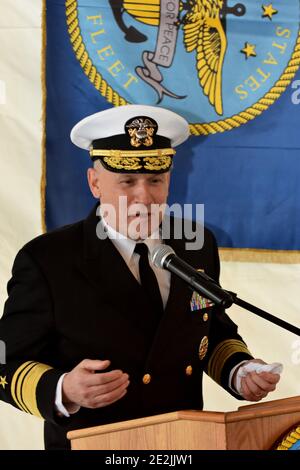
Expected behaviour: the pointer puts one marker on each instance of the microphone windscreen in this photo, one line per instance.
(160, 253)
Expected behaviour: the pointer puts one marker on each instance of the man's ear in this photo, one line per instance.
(169, 180)
(94, 183)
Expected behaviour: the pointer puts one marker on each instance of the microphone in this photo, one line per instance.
(164, 257)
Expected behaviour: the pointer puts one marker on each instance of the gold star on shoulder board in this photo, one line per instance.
(249, 50)
(269, 11)
(3, 381)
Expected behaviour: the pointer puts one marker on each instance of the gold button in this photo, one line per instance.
(203, 347)
(205, 317)
(189, 370)
(146, 379)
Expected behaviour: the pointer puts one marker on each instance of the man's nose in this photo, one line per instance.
(143, 194)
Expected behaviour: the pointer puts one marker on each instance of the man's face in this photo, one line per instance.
(130, 203)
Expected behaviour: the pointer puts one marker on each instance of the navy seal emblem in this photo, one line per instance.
(218, 63)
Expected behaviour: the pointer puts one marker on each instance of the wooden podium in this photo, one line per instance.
(254, 427)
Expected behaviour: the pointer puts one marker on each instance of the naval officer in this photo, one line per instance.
(94, 332)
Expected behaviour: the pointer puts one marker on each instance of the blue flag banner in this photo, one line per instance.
(229, 68)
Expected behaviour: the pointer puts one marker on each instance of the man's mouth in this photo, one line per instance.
(142, 215)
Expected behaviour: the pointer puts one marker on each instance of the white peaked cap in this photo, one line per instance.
(111, 122)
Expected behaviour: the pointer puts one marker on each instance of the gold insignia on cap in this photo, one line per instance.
(3, 381)
(123, 163)
(133, 160)
(157, 163)
(137, 163)
(189, 370)
(141, 131)
(203, 348)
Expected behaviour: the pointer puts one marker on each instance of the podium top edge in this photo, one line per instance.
(244, 413)
(196, 415)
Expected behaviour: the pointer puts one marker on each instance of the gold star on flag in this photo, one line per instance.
(249, 50)
(269, 11)
(3, 381)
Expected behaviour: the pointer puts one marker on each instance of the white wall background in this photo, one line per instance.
(270, 286)
(20, 168)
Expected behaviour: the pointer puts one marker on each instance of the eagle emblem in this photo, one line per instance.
(141, 131)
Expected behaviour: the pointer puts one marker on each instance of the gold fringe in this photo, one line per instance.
(260, 256)
(44, 100)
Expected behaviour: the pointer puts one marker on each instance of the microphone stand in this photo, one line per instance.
(263, 314)
(210, 288)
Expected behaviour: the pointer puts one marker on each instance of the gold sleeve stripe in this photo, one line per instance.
(20, 383)
(30, 385)
(15, 381)
(221, 354)
(24, 384)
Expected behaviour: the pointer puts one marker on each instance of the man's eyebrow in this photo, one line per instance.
(126, 176)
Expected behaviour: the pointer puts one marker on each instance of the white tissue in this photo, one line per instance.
(275, 368)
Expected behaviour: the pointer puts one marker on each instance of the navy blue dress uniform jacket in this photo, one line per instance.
(72, 297)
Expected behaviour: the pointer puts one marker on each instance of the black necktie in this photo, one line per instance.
(148, 279)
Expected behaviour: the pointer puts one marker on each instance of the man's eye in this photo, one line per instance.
(126, 181)
(156, 180)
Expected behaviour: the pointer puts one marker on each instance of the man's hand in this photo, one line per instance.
(82, 387)
(255, 387)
